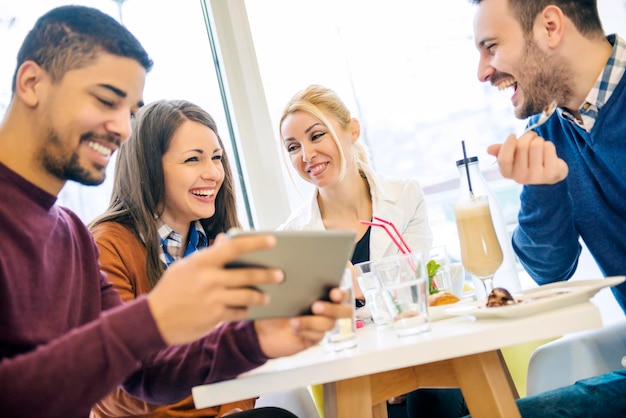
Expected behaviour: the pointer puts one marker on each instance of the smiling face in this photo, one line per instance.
(86, 115)
(508, 59)
(193, 170)
(313, 152)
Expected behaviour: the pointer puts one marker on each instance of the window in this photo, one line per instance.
(176, 38)
(406, 69)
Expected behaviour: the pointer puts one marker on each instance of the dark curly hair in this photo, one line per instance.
(70, 37)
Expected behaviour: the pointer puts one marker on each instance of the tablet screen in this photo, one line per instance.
(313, 263)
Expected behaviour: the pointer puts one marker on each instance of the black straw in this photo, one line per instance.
(466, 161)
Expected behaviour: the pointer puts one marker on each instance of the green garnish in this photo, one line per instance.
(432, 268)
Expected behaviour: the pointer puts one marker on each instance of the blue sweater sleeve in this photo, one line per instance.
(545, 240)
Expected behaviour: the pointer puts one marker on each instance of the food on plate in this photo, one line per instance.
(500, 297)
(442, 298)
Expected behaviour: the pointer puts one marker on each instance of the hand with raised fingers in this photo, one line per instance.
(529, 160)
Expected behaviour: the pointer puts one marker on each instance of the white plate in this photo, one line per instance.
(539, 299)
(435, 313)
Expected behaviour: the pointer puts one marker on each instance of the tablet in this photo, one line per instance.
(313, 263)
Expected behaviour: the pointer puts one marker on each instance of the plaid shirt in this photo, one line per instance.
(172, 242)
(603, 87)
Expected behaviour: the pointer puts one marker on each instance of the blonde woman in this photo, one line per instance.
(321, 140)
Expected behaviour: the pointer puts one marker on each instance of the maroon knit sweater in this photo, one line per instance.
(66, 337)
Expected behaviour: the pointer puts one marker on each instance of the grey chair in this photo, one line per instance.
(577, 356)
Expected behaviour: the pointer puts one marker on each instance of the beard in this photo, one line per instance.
(548, 79)
(58, 162)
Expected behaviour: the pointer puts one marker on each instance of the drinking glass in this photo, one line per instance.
(373, 292)
(481, 253)
(405, 286)
(343, 334)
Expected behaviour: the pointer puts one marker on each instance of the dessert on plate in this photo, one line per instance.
(499, 296)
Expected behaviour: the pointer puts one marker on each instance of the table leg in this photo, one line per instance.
(379, 410)
(485, 385)
(483, 378)
(355, 399)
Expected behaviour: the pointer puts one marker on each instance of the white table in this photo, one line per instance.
(458, 352)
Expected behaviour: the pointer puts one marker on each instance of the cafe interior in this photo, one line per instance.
(413, 86)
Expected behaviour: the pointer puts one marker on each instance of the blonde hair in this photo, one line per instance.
(320, 101)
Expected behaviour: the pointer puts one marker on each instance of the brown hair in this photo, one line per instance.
(583, 13)
(139, 184)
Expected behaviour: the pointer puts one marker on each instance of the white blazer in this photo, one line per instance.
(400, 201)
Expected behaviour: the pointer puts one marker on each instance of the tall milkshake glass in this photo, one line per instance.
(481, 253)
(507, 275)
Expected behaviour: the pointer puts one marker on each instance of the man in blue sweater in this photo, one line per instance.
(574, 178)
(573, 167)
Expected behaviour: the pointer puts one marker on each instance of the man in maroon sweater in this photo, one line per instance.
(66, 338)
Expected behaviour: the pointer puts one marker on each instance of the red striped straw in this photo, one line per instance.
(399, 241)
(406, 246)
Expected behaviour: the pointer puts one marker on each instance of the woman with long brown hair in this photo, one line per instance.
(173, 193)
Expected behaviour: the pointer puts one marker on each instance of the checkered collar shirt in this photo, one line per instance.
(603, 87)
(171, 246)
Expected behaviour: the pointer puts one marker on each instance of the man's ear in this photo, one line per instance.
(29, 83)
(551, 24)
